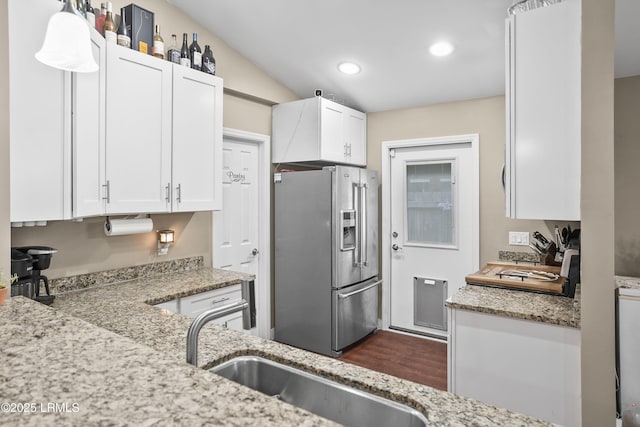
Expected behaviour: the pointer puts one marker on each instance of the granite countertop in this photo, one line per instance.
(627, 282)
(550, 309)
(122, 361)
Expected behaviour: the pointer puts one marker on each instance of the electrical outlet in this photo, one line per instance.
(519, 238)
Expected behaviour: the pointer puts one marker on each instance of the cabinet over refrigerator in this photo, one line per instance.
(326, 257)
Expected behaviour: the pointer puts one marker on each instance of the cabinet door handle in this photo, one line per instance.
(168, 193)
(349, 149)
(107, 192)
(218, 301)
(179, 193)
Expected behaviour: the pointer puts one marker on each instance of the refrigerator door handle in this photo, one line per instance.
(357, 258)
(363, 224)
(366, 288)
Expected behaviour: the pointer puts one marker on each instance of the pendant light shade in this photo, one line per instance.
(67, 43)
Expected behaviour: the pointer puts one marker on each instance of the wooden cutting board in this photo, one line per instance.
(490, 275)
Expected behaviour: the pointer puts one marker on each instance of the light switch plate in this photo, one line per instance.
(519, 238)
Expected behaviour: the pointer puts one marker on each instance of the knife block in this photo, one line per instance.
(550, 257)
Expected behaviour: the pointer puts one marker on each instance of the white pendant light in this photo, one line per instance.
(67, 43)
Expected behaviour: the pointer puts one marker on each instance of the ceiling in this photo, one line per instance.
(300, 44)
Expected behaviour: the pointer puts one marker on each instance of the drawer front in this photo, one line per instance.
(193, 305)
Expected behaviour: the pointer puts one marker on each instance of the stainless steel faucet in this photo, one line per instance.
(248, 306)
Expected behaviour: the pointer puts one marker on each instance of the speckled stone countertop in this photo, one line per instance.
(551, 309)
(134, 371)
(58, 370)
(627, 282)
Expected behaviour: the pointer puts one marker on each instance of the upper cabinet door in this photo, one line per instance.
(40, 120)
(355, 130)
(88, 104)
(543, 113)
(138, 132)
(197, 140)
(333, 145)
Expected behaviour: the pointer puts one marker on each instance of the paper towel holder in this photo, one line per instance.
(165, 239)
(127, 225)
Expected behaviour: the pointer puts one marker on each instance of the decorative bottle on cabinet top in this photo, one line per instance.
(173, 54)
(208, 61)
(124, 38)
(158, 44)
(184, 52)
(195, 53)
(110, 26)
(90, 14)
(100, 18)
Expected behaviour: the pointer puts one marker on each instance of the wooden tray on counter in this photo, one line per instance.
(489, 275)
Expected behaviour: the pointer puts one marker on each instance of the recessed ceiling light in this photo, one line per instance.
(441, 49)
(349, 68)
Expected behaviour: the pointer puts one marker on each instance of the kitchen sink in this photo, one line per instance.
(329, 399)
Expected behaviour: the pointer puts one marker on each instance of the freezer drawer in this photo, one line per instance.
(355, 313)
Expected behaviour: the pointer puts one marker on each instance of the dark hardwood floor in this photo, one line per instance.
(416, 359)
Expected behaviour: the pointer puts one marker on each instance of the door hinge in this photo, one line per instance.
(392, 153)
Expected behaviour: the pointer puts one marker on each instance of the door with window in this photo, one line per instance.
(432, 230)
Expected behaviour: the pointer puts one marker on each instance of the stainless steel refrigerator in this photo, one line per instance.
(326, 257)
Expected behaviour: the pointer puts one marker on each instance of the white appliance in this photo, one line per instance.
(326, 257)
(628, 347)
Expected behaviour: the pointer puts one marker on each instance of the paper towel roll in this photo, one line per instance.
(118, 227)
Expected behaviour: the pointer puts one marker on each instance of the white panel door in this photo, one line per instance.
(197, 140)
(138, 134)
(432, 217)
(236, 227)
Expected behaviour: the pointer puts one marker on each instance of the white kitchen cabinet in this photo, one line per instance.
(88, 142)
(194, 305)
(542, 170)
(526, 366)
(318, 130)
(197, 140)
(138, 132)
(40, 120)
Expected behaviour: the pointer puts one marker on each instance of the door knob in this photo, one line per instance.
(395, 247)
(255, 251)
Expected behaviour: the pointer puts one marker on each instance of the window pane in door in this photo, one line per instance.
(430, 218)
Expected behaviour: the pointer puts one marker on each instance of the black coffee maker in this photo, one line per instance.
(27, 263)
